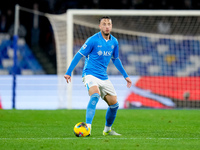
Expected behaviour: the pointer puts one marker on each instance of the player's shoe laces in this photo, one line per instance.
(110, 132)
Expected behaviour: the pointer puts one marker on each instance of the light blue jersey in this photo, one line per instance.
(98, 52)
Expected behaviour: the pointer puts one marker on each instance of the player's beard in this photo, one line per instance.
(106, 34)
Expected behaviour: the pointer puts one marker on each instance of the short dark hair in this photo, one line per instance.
(104, 17)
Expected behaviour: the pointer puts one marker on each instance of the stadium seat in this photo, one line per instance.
(26, 63)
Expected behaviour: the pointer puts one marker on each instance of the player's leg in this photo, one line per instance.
(108, 93)
(110, 114)
(91, 108)
(111, 111)
(93, 90)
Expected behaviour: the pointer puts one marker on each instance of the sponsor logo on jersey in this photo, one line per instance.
(99, 45)
(100, 53)
(107, 53)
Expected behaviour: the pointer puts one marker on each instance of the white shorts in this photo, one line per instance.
(105, 86)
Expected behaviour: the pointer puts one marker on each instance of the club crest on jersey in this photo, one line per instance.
(100, 53)
(84, 46)
(112, 46)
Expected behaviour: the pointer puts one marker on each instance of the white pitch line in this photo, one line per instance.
(103, 138)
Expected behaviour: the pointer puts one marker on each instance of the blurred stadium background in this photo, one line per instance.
(165, 69)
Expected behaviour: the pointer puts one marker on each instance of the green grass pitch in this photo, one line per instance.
(141, 129)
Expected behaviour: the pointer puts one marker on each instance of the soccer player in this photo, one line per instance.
(98, 50)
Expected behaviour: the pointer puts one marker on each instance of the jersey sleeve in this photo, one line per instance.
(117, 62)
(119, 66)
(87, 47)
(116, 51)
(73, 64)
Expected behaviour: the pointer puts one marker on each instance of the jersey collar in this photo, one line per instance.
(100, 35)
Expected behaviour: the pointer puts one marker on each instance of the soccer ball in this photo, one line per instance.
(81, 129)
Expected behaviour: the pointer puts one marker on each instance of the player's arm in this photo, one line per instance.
(84, 51)
(73, 64)
(117, 61)
(118, 65)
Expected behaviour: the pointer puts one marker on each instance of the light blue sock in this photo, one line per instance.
(90, 112)
(111, 114)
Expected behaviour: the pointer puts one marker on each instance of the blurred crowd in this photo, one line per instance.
(37, 30)
(60, 6)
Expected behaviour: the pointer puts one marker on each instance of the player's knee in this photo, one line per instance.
(111, 100)
(93, 90)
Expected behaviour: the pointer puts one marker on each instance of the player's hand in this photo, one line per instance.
(129, 82)
(68, 78)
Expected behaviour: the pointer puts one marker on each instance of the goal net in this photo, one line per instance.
(160, 50)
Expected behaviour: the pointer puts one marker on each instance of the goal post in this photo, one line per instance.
(77, 16)
(159, 49)
(160, 46)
